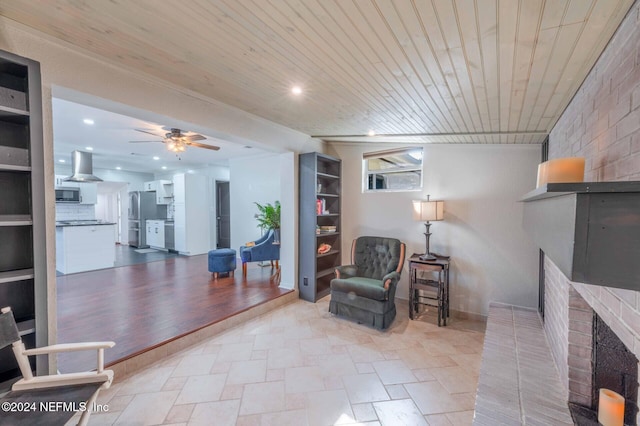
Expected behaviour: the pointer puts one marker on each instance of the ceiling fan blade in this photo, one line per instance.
(195, 138)
(143, 141)
(148, 132)
(201, 145)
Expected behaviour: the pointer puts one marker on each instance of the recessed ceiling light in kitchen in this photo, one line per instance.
(89, 148)
(156, 158)
(88, 121)
(62, 161)
(118, 168)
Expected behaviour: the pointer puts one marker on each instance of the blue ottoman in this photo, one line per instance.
(222, 260)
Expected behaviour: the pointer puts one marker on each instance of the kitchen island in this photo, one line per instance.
(84, 245)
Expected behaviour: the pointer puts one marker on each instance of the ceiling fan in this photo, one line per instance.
(176, 141)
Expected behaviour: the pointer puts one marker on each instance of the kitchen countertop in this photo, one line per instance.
(63, 223)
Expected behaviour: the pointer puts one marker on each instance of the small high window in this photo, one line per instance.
(392, 170)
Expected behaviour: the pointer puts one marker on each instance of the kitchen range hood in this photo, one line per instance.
(82, 168)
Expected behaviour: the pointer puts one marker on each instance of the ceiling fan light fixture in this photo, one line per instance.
(176, 141)
(176, 144)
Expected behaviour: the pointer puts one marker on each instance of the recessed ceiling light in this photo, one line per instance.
(164, 167)
(89, 148)
(88, 121)
(156, 158)
(118, 168)
(371, 133)
(190, 171)
(296, 90)
(62, 161)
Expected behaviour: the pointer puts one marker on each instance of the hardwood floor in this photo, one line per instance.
(142, 306)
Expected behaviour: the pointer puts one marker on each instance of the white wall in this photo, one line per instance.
(492, 258)
(289, 219)
(252, 180)
(107, 207)
(265, 179)
(216, 172)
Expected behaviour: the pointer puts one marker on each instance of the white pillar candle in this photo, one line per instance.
(542, 174)
(569, 169)
(610, 408)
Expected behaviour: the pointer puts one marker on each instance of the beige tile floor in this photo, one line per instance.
(299, 365)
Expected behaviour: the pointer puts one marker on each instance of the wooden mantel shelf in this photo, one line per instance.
(590, 230)
(558, 189)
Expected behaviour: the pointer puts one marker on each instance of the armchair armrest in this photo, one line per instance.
(346, 271)
(265, 250)
(263, 238)
(390, 279)
(68, 347)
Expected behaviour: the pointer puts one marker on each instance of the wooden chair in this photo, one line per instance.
(72, 388)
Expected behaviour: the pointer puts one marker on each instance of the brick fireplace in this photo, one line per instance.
(602, 124)
(569, 325)
(597, 358)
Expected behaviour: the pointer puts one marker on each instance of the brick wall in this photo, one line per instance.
(556, 317)
(580, 347)
(602, 124)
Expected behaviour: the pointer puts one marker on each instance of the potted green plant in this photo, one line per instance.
(268, 217)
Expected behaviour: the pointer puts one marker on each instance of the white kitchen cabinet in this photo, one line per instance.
(149, 186)
(180, 227)
(191, 214)
(155, 233)
(164, 192)
(179, 182)
(88, 193)
(60, 183)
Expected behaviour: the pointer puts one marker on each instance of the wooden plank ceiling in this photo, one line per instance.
(470, 71)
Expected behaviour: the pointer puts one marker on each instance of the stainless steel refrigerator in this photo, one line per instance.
(142, 206)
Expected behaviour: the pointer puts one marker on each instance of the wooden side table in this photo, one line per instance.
(438, 286)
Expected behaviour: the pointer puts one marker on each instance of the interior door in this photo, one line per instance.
(223, 215)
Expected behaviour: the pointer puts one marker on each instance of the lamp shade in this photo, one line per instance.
(426, 210)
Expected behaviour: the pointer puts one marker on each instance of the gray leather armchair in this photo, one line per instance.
(366, 289)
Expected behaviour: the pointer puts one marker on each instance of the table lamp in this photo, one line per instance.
(426, 210)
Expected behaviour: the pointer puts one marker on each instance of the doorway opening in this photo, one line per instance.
(223, 215)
